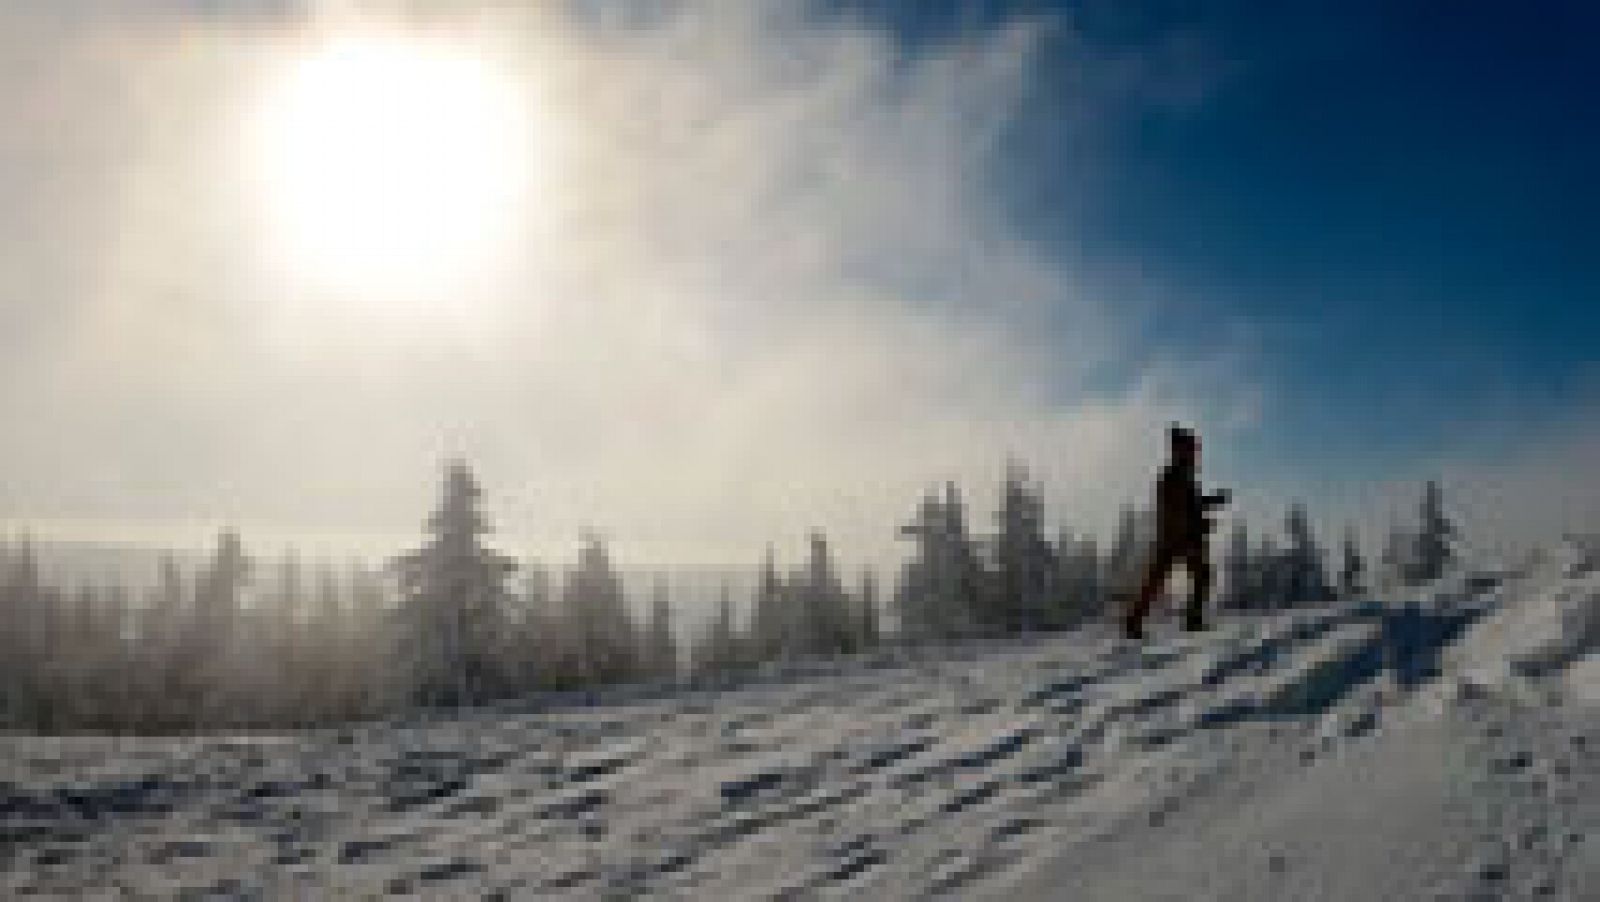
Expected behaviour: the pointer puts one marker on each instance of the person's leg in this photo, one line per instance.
(1198, 562)
(1160, 563)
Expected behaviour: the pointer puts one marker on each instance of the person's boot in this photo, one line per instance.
(1194, 621)
(1132, 628)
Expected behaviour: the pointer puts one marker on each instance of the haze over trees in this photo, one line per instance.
(239, 641)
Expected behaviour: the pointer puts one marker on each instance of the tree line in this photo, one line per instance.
(244, 644)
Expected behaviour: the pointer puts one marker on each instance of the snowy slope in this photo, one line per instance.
(1342, 752)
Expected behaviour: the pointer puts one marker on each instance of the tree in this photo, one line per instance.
(116, 690)
(370, 648)
(718, 650)
(329, 644)
(1304, 576)
(25, 635)
(660, 648)
(163, 631)
(1352, 567)
(1241, 591)
(213, 639)
(1432, 550)
(538, 659)
(1024, 592)
(820, 603)
(1267, 564)
(601, 631)
(1129, 550)
(942, 585)
(870, 631)
(1080, 578)
(772, 636)
(452, 591)
(287, 638)
(1398, 554)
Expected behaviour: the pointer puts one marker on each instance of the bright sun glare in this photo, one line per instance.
(392, 166)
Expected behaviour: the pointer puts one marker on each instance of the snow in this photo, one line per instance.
(1441, 745)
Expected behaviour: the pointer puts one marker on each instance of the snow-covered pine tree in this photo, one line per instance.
(769, 635)
(451, 591)
(660, 654)
(1269, 580)
(1396, 561)
(1024, 593)
(287, 601)
(869, 630)
(73, 680)
(369, 613)
(1126, 558)
(1305, 576)
(602, 632)
(718, 651)
(1097, 595)
(1074, 576)
(942, 584)
(330, 647)
(537, 659)
(163, 626)
(1352, 568)
(914, 596)
(821, 604)
(212, 641)
(22, 640)
(1432, 550)
(1240, 588)
(116, 691)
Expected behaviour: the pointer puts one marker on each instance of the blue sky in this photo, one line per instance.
(1395, 203)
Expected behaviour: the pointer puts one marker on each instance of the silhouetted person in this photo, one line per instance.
(1181, 529)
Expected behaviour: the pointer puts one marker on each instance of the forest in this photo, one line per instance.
(244, 643)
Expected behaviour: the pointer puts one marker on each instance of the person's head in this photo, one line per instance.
(1185, 446)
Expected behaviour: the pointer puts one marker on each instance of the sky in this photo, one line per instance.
(716, 274)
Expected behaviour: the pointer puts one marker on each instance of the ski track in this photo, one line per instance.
(916, 779)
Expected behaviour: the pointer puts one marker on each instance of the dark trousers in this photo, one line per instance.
(1196, 559)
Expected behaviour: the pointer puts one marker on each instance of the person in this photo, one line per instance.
(1181, 530)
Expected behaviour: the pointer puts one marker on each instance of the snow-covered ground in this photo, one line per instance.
(1442, 746)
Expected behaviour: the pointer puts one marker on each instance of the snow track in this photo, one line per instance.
(957, 776)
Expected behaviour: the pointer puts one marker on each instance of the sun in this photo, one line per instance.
(389, 165)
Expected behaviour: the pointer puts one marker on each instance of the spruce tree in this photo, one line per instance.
(820, 603)
(287, 635)
(1432, 552)
(942, 585)
(870, 630)
(1352, 568)
(718, 651)
(1267, 565)
(452, 591)
(1024, 592)
(539, 630)
(602, 632)
(213, 642)
(771, 635)
(660, 648)
(24, 637)
(1398, 556)
(1241, 589)
(1127, 555)
(1305, 575)
(372, 641)
(162, 631)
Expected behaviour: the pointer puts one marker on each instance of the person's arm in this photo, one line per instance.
(1215, 499)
